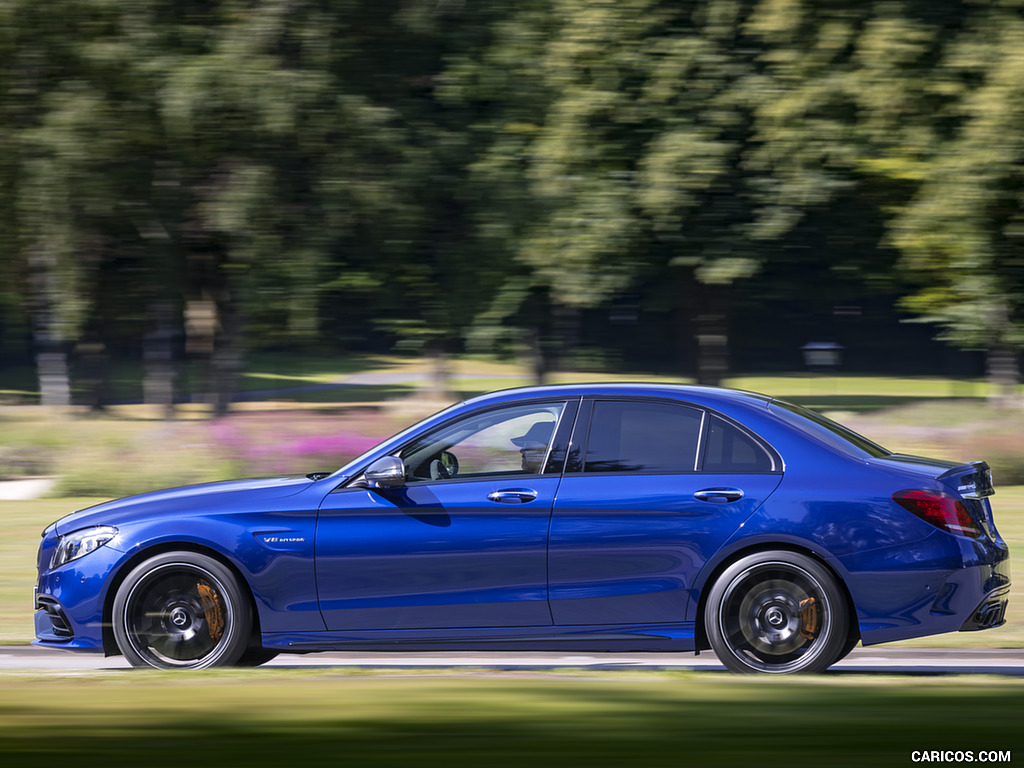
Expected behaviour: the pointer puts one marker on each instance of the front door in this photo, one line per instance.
(462, 544)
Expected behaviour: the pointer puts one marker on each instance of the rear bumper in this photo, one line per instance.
(991, 613)
(942, 583)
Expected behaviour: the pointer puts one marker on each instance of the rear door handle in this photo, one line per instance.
(719, 495)
(512, 495)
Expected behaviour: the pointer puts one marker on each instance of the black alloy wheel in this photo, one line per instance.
(181, 610)
(779, 613)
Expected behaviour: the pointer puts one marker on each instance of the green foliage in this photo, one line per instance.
(365, 173)
(958, 144)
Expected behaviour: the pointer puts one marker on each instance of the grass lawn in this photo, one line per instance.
(292, 717)
(21, 522)
(476, 374)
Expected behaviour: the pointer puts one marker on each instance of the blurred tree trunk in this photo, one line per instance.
(566, 323)
(54, 382)
(684, 335)
(93, 365)
(712, 349)
(712, 335)
(1003, 376)
(226, 357)
(535, 356)
(51, 349)
(158, 359)
(436, 384)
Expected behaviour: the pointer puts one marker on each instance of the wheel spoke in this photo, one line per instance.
(770, 615)
(177, 616)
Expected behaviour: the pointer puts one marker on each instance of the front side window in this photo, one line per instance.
(634, 436)
(505, 441)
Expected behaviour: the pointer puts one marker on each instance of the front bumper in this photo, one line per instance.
(69, 600)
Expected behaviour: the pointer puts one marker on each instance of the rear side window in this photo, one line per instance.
(730, 449)
(642, 437)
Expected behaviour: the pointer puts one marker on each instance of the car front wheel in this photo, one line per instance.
(777, 612)
(254, 657)
(181, 610)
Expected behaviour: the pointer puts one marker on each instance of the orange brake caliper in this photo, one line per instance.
(810, 618)
(212, 609)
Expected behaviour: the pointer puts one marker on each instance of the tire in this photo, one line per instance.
(778, 613)
(253, 657)
(850, 644)
(181, 610)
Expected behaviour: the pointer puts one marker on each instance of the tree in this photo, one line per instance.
(69, 137)
(961, 232)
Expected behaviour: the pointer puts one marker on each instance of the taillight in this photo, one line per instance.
(941, 510)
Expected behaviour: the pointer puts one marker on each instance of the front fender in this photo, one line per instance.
(272, 553)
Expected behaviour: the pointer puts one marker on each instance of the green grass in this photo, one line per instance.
(21, 523)
(266, 371)
(277, 718)
(861, 393)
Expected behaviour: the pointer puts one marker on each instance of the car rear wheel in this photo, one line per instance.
(181, 610)
(777, 612)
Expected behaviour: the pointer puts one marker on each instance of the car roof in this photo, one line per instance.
(710, 396)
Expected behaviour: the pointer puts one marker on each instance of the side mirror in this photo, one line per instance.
(386, 472)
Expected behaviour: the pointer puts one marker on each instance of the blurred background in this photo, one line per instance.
(220, 207)
(241, 237)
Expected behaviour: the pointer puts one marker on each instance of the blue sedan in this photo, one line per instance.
(582, 517)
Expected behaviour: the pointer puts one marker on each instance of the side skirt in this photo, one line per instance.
(635, 637)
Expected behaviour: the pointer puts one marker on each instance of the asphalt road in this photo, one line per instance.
(878, 660)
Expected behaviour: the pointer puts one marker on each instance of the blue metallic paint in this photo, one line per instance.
(435, 555)
(596, 561)
(631, 558)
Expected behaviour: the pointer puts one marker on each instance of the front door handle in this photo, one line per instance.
(512, 495)
(719, 495)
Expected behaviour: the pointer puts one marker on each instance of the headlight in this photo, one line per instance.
(80, 543)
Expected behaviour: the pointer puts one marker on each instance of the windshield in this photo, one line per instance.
(828, 431)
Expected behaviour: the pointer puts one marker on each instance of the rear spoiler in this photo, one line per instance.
(972, 480)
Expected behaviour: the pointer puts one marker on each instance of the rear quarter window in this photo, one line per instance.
(731, 450)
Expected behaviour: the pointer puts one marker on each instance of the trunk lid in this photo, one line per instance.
(970, 483)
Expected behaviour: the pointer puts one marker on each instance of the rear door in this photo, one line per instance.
(652, 490)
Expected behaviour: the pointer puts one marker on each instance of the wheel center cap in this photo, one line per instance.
(180, 618)
(775, 617)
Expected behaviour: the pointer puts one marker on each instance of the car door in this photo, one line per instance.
(463, 543)
(654, 490)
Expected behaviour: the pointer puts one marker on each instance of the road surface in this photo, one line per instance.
(878, 660)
